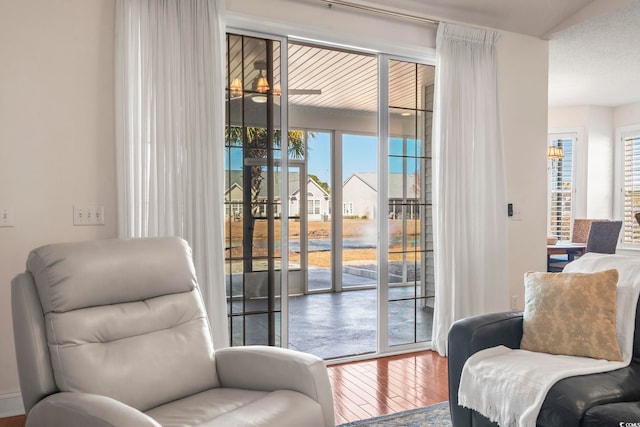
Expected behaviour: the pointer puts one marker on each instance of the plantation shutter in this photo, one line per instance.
(561, 191)
(631, 187)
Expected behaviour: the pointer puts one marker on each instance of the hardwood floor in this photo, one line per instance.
(374, 387)
(389, 384)
(13, 421)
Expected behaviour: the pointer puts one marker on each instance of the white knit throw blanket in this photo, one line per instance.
(509, 386)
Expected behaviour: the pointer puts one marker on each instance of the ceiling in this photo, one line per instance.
(532, 17)
(597, 62)
(594, 45)
(327, 79)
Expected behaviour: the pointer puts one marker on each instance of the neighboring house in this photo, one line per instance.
(233, 201)
(318, 200)
(360, 195)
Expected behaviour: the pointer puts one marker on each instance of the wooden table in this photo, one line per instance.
(565, 248)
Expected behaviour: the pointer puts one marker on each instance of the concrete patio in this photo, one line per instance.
(340, 324)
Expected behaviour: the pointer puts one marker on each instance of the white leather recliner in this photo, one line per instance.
(114, 333)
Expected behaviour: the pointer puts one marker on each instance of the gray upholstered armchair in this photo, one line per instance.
(114, 333)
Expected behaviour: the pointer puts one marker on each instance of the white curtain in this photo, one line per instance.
(470, 208)
(170, 132)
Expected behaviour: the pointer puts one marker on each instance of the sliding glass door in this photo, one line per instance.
(410, 220)
(328, 198)
(333, 98)
(253, 202)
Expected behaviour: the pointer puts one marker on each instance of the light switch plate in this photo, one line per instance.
(88, 215)
(6, 216)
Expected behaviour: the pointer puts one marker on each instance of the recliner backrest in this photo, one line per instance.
(125, 319)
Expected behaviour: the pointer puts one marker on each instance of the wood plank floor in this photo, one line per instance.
(374, 387)
(389, 384)
(13, 421)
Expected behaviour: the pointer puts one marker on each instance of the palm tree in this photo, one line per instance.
(256, 145)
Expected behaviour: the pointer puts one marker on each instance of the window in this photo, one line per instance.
(313, 207)
(631, 185)
(561, 187)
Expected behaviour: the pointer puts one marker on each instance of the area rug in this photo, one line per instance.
(430, 416)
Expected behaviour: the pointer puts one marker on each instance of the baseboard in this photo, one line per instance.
(11, 405)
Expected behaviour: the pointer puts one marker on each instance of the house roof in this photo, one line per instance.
(396, 183)
(233, 178)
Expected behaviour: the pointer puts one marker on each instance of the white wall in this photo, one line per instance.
(56, 133)
(523, 82)
(600, 163)
(626, 115)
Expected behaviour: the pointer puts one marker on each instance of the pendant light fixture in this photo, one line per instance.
(262, 85)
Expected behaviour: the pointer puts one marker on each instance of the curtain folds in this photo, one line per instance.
(170, 132)
(470, 218)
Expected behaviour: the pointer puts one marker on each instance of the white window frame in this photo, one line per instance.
(564, 230)
(619, 211)
(579, 190)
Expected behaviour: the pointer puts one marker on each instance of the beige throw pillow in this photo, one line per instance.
(572, 314)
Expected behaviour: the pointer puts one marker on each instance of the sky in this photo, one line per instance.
(359, 155)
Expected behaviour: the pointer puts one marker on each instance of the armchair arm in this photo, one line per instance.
(470, 335)
(85, 410)
(272, 368)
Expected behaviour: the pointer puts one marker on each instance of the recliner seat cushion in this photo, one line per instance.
(143, 342)
(224, 407)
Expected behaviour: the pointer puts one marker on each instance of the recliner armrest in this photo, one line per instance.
(30, 338)
(85, 410)
(272, 368)
(470, 335)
